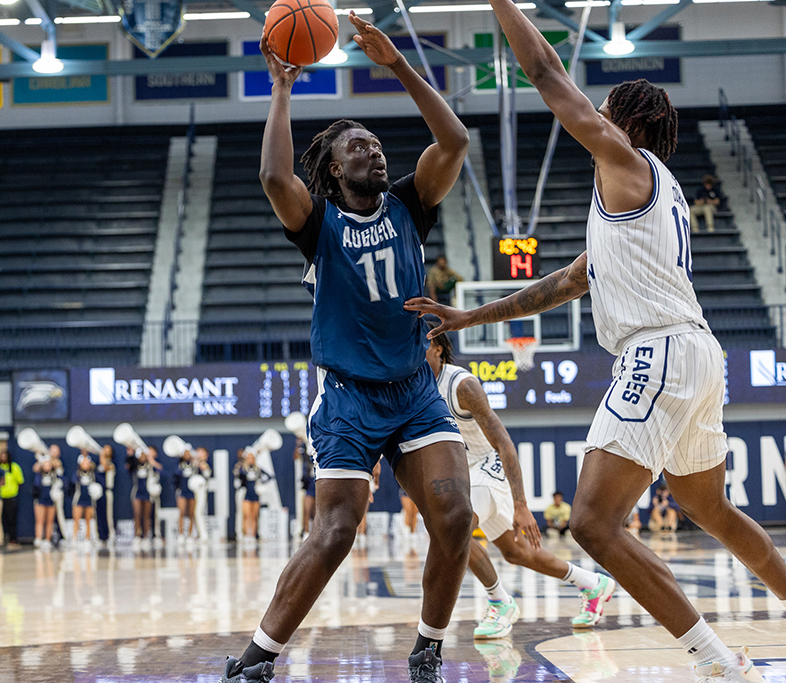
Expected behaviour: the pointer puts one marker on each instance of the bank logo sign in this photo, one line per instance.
(765, 371)
(207, 395)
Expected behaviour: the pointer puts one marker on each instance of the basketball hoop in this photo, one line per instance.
(523, 350)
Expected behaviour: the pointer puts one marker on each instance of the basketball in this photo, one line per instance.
(301, 32)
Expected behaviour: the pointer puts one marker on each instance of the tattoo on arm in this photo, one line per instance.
(552, 291)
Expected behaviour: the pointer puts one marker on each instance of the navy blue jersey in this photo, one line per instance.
(361, 270)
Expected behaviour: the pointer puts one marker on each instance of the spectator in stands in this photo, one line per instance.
(705, 203)
(664, 513)
(11, 478)
(441, 281)
(557, 515)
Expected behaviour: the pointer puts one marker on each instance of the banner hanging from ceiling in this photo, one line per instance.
(151, 25)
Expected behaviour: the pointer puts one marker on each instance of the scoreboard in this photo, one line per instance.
(515, 258)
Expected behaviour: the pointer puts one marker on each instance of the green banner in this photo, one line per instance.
(490, 83)
(64, 89)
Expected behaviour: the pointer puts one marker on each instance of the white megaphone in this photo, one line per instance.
(296, 424)
(125, 435)
(77, 437)
(269, 441)
(175, 447)
(29, 440)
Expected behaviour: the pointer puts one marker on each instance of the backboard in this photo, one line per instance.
(557, 330)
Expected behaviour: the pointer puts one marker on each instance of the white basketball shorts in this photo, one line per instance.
(664, 409)
(494, 508)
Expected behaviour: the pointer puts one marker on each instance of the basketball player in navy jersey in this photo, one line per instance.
(363, 241)
(664, 409)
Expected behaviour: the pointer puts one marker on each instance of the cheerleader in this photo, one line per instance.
(46, 477)
(309, 484)
(81, 482)
(144, 468)
(250, 476)
(105, 475)
(186, 499)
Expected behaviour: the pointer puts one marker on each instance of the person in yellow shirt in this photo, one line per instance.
(557, 514)
(11, 478)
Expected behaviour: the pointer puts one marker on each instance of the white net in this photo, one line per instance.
(523, 350)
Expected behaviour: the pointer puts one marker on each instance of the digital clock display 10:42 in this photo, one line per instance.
(515, 258)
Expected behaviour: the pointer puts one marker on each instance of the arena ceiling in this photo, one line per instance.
(383, 12)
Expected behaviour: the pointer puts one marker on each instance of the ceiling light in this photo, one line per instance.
(588, 3)
(207, 16)
(47, 63)
(437, 9)
(89, 19)
(10, 22)
(356, 10)
(33, 21)
(619, 44)
(7, 3)
(335, 56)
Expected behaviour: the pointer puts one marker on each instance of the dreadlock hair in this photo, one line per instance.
(316, 160)
(640, 107)
(443, 341)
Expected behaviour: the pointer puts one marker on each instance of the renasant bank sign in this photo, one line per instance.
(207, 395)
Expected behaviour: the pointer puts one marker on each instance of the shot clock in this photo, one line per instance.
(515, 258)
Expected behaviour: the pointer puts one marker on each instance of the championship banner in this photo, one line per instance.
(614, 71)
(196, 85)
(151, 25)
(490, 83)
(64, 89)
(310, 85)
(378, 80)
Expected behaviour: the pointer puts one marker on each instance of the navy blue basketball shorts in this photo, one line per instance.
(352, 423)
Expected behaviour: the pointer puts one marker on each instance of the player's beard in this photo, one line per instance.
(368, 187)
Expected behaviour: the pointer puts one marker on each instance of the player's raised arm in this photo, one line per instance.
(553, 290)
(542, 65)
(287, 193)
(471, 397)
(440, 164)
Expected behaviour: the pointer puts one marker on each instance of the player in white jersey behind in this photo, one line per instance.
(499, 505)
(664, 409)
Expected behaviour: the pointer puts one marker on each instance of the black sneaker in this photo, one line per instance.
(425, 667)
(259, 673)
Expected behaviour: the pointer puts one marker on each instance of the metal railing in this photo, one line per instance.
(770, 217)
(182, 200)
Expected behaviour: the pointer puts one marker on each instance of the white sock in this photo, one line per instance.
(430, 632)
(264, 641)
(581, 578)
(498, 592)
(703, 644)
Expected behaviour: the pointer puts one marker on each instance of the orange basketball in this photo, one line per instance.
(301, 32)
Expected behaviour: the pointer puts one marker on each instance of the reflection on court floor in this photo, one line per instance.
(166, 617)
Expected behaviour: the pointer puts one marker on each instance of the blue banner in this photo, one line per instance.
(379, 79)
(256, 85)
(151, 25)
(191, 86)
(615, 70)
(64, 89)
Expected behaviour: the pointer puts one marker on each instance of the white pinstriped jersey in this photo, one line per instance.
(639, 264)
(485, 467)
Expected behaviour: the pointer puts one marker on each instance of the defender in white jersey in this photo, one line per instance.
(664, 407)
(498, 503)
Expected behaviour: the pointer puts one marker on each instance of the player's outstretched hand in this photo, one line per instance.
(523, 520)
(278, 71)
(377, 46)
(452, 318)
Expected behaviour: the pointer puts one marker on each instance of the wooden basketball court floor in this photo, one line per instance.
(172, 616)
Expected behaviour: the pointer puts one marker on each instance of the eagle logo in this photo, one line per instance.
(39, 393)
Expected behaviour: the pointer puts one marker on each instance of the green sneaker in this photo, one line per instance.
(593, 601)
(498, 620)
